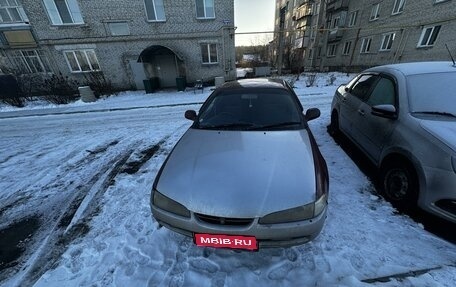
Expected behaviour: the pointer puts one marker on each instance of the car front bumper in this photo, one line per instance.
(272, 235)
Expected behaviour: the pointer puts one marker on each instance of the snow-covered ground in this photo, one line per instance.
(82, 174)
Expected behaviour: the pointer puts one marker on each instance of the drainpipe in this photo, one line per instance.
(227, 64)
(354, 48)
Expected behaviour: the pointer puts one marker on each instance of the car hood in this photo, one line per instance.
(445, 131)
(240, 174)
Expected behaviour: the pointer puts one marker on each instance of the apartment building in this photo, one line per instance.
(296, 32)
(358, 34)
(128, 41)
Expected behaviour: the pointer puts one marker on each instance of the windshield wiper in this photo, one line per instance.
(438, 113)
(227, 126)
(277, 125)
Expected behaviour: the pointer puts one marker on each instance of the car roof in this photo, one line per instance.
(416, 68)
(257, 83)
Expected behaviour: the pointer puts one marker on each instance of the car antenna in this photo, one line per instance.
(451, 56)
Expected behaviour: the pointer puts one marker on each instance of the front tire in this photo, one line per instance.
(333, 128)
(400, 184)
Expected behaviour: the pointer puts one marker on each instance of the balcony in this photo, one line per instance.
(335, 34)
(17, 36)
(302, 42)
(303, 23)
(303, 11)
(334, 5)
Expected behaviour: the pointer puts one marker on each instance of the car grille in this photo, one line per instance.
(223, 220)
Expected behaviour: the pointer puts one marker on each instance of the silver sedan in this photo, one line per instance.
(247, 173)
(403, 117)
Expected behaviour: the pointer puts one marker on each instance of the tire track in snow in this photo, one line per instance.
(75, 221)
(62, 233)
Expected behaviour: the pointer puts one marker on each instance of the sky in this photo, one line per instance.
(253, 16)
(86, 181)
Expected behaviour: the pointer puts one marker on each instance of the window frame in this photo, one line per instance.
(112, 32)
(375, 12)
(335, 22)
(331, 51)
(347, 48)
(352, 18)
(429, 36)
(389, 37)
(398, 7)
(19, 10)
(24, 62)
(205, 9)
(209, 55)
(155, 11)
(87, 58)
(366, 48)
(72, 8)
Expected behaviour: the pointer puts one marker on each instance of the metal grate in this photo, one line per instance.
(223, 220)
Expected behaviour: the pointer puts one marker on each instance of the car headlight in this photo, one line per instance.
(453, 161)
(299, 213)
(165, 203)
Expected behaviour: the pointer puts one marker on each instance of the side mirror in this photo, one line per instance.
(384, 111)
(312, 114)
(190, 115)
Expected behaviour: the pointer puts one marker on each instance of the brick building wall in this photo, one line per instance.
(181, 32)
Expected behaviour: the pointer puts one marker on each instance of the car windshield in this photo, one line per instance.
(243, 110)
(433, 93)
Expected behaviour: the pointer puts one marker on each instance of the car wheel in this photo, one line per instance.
(333, 127)
(400, 184)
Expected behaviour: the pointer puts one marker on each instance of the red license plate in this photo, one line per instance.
(226, 241)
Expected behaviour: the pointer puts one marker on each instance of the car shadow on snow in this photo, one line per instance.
(431, 223)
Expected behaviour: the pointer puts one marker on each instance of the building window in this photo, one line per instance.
(366, 45)
(209, 53)
(387, 41)
(398, 6)
(205, 9)
(332, 49)
(309, 56)
(352, 18)
(335, 22)
(62, 12)
(82, 61)
(428, 36)
(347, 46)
(31, 61)
(375, 12)
(11, 12)
(155, 10)
(119, 28)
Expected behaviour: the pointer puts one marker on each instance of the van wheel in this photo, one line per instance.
(400, 184)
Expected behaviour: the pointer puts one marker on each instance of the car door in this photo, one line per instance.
(350, 103)
(376, 130)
